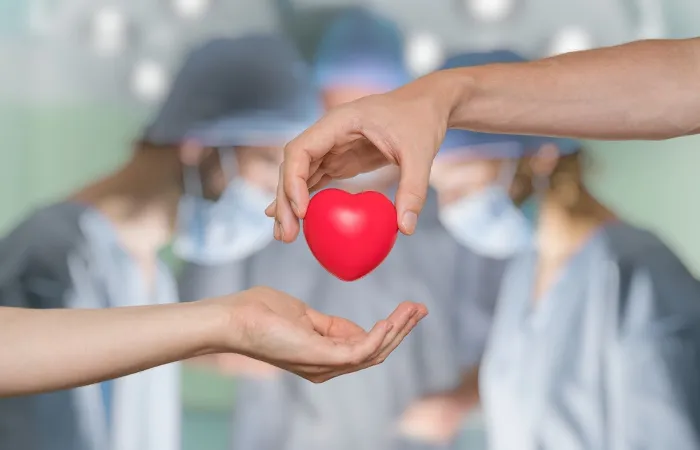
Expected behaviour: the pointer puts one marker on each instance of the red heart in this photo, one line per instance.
(350, 234)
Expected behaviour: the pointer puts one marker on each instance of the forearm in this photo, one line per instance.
(642, 90)
(55, 349)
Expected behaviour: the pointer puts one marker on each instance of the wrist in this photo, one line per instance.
(455, 89)
(213, 326)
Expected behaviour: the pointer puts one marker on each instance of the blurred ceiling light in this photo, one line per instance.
(571, 39)
(109, 31)
(424, 53)
(150, 81)
(190, 9)
(490, 10)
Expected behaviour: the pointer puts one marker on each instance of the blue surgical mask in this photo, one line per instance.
(229, 229)
(488, 222)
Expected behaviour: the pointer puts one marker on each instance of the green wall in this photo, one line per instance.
(46, 153)
(654, 184)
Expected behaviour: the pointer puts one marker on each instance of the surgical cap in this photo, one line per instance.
(471, 144)
(249, 91)
(361, 49)
(482, 58)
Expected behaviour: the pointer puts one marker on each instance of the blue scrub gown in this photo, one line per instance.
(68, 256)
(608, 359)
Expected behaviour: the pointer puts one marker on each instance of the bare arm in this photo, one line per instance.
(55, 349)
(43, 350)
(642, 90)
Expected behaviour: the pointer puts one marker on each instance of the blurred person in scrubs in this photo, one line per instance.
(104, 240)
(361, 53)
(596, 335)
(279, 412)
(596, 338)
(271, 99)
(555, 325)
(469, 170)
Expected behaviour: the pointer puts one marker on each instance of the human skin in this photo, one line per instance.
(645, 90)
(55, 349)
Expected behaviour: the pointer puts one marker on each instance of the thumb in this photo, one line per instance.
(413, 190)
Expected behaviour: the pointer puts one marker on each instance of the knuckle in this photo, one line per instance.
(264, 290)
(414, 197)
(352, 116)
(290, 147)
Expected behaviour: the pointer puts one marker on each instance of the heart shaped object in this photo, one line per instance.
(350, 234)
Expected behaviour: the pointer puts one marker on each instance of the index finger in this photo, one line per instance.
(336, 128)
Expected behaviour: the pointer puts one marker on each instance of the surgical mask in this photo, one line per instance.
(488, 222)
(229, 229)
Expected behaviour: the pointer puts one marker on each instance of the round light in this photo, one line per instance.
(150, 81)
(424, 53)
(190, 9)
(109, 31)
(570, 39)
(490, 10)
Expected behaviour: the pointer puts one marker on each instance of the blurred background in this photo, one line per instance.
(78, 78)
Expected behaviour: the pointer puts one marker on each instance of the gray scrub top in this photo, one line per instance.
(609, 358)
(359, 411)
(67, 256)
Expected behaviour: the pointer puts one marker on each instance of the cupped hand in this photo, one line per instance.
(403, 127)
(278, 329)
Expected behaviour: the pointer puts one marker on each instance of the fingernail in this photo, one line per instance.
(409, 221)
(295, 208)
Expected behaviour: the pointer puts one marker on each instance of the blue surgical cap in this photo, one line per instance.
(248, 91)
(471, 144)
(361, 49)
(482, 58)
